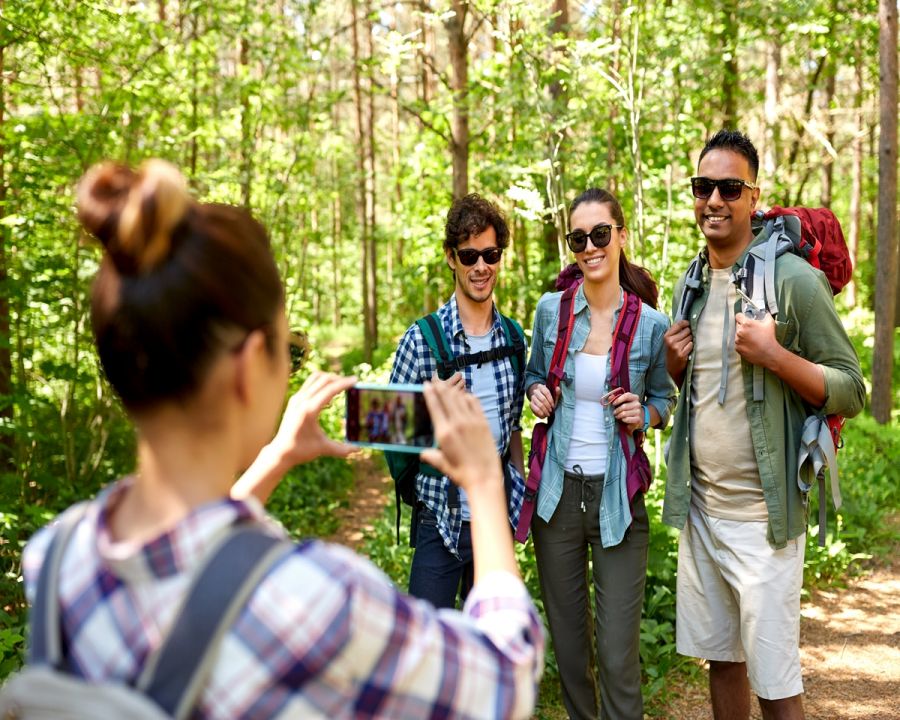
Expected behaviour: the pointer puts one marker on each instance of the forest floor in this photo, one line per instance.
(849, 637)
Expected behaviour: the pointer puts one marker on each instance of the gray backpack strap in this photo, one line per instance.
(817, 452)
(693, 282)
(45, 642)
(175, 674)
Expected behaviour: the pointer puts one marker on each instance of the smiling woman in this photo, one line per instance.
(584, 501)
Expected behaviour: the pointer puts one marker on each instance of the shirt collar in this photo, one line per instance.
(457, 331)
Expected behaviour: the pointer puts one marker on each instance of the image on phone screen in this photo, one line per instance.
(388, 417)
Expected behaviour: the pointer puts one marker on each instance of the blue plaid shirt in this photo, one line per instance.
(414, 363)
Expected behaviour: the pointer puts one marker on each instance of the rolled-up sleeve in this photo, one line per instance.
(412, 660)
(536, 372)
(661, 390)
(824, 341)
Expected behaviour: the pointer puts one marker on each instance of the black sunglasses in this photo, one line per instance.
(468, 256)
(730, 189)
(600, 235)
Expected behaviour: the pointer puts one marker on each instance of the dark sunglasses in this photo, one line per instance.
(298, 347)
(730, 189)
(468, 256)
(600, 235)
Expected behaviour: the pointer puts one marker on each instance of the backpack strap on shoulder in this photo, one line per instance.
(430, 325)
(45, 643)
(555, 375)
(515, 338)
(693, 286)
(174, 675)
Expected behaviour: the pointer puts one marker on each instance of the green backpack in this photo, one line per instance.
(405, 466)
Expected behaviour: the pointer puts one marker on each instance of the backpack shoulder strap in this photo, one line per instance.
(691, 289)
(175, 674)
(556, 373)
(430, 325)
(623, 337)
(515, 337)
(45, 644)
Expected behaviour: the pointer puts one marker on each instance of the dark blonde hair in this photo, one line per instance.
(633, 278)
(179, 281)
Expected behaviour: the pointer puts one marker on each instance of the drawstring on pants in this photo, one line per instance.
(587, 494)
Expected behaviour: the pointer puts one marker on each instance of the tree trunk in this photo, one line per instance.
(371, 316)
(828, 159)
(615, 15)
(772, 103)
(459, 85)
(361, 183)
(337, 219)
(7, 437)
(886, 273)
(856, 190)
(246, 124)
(731, 82)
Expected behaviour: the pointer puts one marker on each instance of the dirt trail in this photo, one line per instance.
(850, 637)
(850, 650)
(372, 491)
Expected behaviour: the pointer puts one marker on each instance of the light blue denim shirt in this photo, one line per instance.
(649, 381)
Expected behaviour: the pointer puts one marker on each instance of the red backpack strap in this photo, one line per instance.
(623, 337)
(555, 375)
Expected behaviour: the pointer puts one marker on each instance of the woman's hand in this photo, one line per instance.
(629, 411)
(468, 455)
(299, 439)
(541, 401)
(466, 452)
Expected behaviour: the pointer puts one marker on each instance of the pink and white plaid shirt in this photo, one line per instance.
(324, 635)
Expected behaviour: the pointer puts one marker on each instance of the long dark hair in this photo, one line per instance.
(633, 278)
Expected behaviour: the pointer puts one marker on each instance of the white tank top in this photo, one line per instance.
(588, 446)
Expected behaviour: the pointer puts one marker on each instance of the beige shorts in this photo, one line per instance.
(738, 600)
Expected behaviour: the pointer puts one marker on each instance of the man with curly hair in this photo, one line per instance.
(476, 234)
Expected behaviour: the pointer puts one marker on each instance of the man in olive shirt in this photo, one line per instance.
(732, 464)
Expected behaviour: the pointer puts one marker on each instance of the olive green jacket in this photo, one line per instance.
(809, 326)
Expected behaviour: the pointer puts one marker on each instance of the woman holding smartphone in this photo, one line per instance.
(189, 323)
(583, 512)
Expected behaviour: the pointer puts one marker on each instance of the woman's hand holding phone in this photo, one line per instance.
(467, 454)
(299, 439)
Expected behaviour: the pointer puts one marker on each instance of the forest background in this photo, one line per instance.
(349, 126)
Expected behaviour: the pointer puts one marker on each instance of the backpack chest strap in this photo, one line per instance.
(460, 362)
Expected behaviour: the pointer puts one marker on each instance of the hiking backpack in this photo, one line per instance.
(405, 466)
(816, 236)
(174, 675)
(638, 475)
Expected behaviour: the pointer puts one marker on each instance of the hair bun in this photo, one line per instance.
(133, 213)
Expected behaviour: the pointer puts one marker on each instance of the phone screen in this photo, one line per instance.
(388, 417)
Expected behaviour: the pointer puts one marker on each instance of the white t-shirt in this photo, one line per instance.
(484, 387)
(588, 444)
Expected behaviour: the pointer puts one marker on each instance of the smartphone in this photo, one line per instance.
(388, 417)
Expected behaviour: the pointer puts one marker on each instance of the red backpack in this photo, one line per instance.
(821, 242)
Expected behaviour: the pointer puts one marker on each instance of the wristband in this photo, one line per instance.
(646, 425)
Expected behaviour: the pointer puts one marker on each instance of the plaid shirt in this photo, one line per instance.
(324, 635)
(414, 363)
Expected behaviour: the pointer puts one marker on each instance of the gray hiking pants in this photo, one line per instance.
(618, 574)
